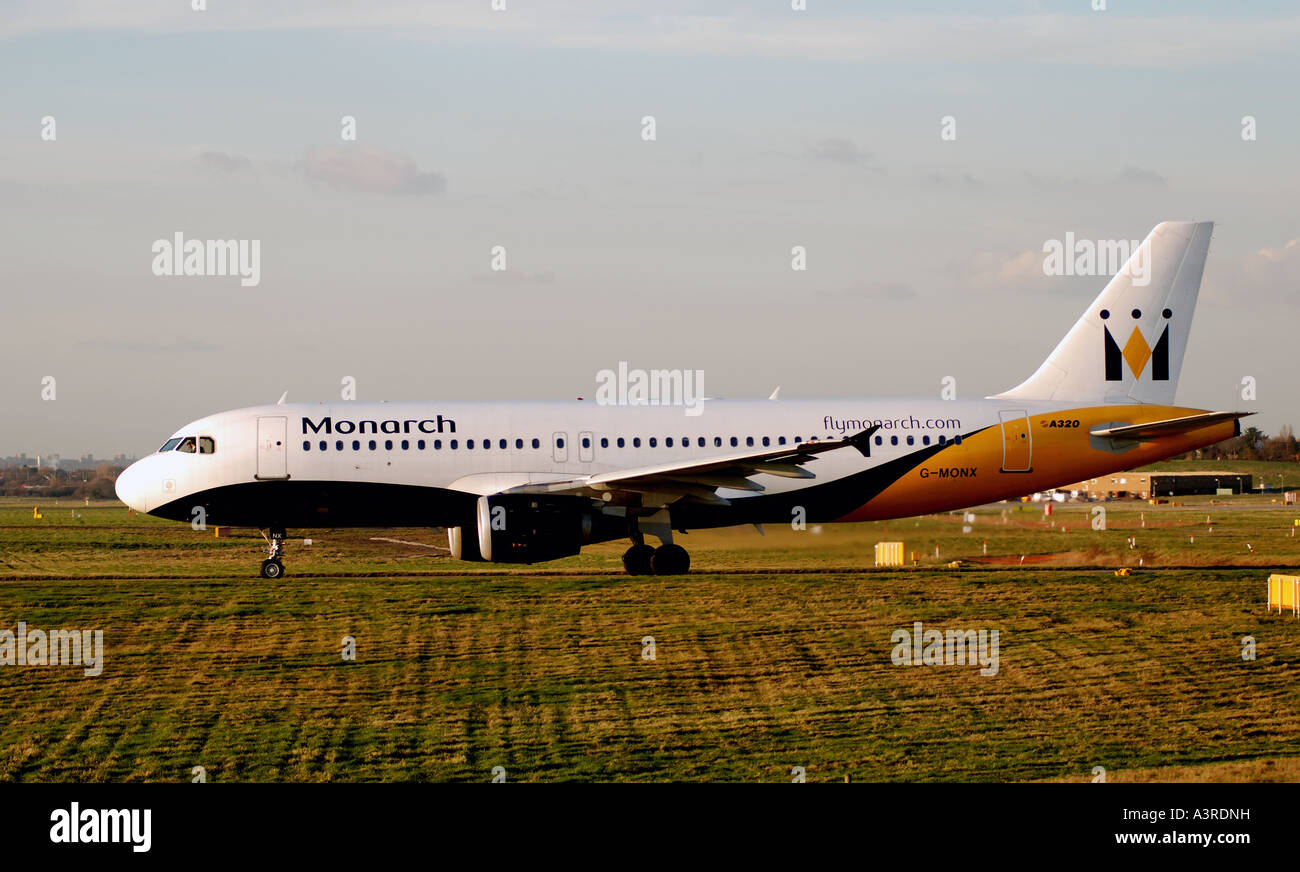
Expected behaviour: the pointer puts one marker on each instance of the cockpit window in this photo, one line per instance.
(207, 445)
(170, 444)
(187, 445)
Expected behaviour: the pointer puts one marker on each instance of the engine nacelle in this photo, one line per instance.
(522, 528)
(463, 547)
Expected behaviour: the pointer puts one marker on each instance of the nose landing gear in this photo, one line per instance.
(273, 565)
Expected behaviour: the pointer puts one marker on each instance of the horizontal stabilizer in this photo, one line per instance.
(1168, 427)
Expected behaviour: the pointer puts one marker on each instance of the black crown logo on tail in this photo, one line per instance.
(1136, 352)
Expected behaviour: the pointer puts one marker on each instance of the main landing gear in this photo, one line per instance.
(273, 565)
(667, 559)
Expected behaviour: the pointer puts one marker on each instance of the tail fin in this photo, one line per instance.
(1128, 346)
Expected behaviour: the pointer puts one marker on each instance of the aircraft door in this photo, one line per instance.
(560, 447)
(272, 447)
(1017, 442)
(586, 446)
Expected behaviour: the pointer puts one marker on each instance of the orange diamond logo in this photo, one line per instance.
(1137, 352)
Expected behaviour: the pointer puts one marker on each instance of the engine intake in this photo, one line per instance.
(522, 528)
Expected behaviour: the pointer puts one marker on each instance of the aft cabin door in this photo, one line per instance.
(1017, 442)
(272, 440)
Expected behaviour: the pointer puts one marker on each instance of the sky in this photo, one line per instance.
(523, 128)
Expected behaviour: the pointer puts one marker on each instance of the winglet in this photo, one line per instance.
(862, 441)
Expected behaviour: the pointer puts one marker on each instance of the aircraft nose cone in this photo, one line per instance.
(130, 487)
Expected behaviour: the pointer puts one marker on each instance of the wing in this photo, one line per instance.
(699, 480)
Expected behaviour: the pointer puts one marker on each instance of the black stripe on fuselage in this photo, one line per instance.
(322, 504)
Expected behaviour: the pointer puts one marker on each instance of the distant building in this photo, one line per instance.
(1148, 485)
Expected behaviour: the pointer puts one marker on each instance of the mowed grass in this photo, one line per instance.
(773, 653)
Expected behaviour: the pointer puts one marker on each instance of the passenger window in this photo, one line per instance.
(957, 439)
(766, 442)
(604, 441)
(537, 444)
(453, 445)
(620, 442)
(780, 440)
(437, 445)
(388, 444)
(717, 441)
(420, 444)
(323, 445)
(306, 445)
(798, 439)
(941, 439)
(559, 443)
(338, 445)
(187, 445)
(501, 443)
(668, 442)
(209, 446)
(749, 441)
(372, 445)
(700, 442)
(734, 442)
(636, 441)
(469, 443)
(925, 440)
(356, 444)
(893, 440)
(406, 444)
(654, 443)
(911, 440)
(519, 443)
(586, 441)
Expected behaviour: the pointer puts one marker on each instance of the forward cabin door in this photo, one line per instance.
(1017, 443)
(272, 442)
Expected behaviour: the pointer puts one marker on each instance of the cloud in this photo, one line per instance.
(680, 27)
(222, 163)
(886, 292)
(987, 270)
(1138, 176)
(180, 346)
(839, 151)
(370, 170)
(1272, 271)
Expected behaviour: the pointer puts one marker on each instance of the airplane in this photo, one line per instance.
(528, 482)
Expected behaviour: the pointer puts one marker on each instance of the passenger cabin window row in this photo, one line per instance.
(605, 442)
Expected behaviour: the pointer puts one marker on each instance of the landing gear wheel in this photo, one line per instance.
(637, 559)
(272, 569)
(670, 560)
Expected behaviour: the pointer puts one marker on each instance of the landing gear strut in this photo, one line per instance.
(273, 566)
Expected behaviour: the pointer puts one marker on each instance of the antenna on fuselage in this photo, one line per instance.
(283, 397)
(775, 392)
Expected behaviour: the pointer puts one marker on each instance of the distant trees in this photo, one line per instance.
(80, 483)
(1252, 444)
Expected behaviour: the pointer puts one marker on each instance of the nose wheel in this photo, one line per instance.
(273, 565)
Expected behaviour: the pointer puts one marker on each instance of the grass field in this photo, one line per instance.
(774, 653)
